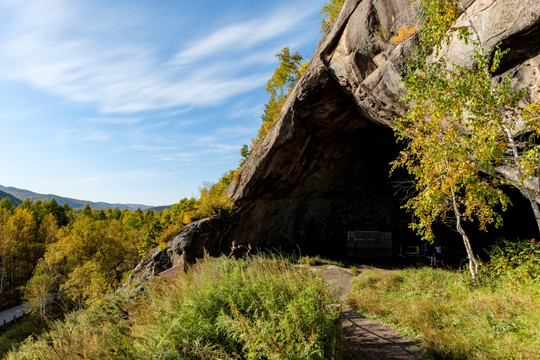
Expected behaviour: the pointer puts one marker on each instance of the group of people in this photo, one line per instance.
(435, 254)
(238, 251)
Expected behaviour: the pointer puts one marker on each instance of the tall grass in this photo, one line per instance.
(220, 309)
(452, 318)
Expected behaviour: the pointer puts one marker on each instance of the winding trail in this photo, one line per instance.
(366, 339)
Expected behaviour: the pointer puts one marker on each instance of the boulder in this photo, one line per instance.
(196, 238)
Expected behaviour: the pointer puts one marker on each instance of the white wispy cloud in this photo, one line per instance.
(225, 150)
(70, 136)
(221, 143)
(15, 115)
(234, 132)
(178, 157)
(245, 110)
(127, 176)
(223, 138)
(50, 45)
(243, 36)
(112, 120)
(150, 148)
(119, 95)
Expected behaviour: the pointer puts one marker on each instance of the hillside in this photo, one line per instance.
(317, 182)
(14, 200)
(222, 309)
(21, 194)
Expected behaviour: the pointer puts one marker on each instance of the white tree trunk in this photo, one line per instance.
(473, 263)
(3, 277)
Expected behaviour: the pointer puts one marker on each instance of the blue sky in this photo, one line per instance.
(137, 101)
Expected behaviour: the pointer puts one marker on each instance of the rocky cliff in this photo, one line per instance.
(322, 169)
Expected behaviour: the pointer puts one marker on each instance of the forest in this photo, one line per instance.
(83, 254)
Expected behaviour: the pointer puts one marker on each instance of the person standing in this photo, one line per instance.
(248, 252)
(433, 259)
(236, 251)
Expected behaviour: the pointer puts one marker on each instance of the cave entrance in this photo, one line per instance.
(374, 244)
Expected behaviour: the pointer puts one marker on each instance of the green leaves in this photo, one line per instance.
(452, 129)
(286, 75)
(438, 17)
(517, 261)
(330, 11)
(150, 238)
(89, 258)
(461, 128)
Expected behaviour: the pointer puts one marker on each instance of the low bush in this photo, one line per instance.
(11, 334)
(404, 32)
(317, 260)
(515, 261)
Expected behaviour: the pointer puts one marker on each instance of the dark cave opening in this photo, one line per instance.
(344, 185)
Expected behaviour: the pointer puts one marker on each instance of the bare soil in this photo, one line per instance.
(366, 339)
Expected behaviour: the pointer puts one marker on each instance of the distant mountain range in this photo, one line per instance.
(15, 201)
(18, 195)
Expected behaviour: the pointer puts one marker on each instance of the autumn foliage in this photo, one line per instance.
(460, 129)
(404, 32)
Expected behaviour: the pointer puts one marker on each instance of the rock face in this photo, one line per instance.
(191, 243)
(322, 169)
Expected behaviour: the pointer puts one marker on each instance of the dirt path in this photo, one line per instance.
(367, 339)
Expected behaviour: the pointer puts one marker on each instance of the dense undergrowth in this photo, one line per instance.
(220, 309)
(14, 333)
(453, 318)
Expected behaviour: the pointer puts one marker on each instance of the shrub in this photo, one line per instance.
(404, 32)
(381, 35)
(330, 11)
(519, 261)
(317, 260)
(16, 332)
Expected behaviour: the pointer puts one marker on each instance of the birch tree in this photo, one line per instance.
(458, 130)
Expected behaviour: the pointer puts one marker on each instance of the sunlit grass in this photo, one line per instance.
(220, 309)
(318, 260)
(451, 317)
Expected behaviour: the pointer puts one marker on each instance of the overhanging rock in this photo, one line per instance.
(323, 166)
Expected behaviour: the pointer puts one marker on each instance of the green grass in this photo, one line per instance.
(317, 260)
(452, 318)
(221, 309)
